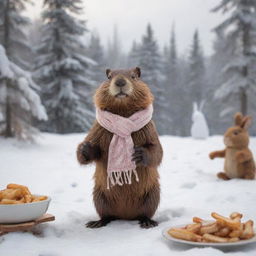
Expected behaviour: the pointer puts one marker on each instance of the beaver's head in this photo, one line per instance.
(123, 93)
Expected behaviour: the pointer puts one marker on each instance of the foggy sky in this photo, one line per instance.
(132, 16)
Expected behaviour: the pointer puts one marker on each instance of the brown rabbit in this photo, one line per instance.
(239, 162)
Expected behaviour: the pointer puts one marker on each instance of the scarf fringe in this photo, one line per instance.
(121, 178)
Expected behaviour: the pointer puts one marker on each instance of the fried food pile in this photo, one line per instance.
(18, 194)
(222, 230)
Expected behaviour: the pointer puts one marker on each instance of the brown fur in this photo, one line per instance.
(239, 162)
(127, 201)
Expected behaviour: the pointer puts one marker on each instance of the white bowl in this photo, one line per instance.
(17, 213)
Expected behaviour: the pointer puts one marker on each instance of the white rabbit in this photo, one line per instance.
(199, 128)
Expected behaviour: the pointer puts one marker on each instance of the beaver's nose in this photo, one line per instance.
(120, 82)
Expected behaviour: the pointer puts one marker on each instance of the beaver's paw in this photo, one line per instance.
(212, 155)
(146, 222)
(90, 152)
(100, 223)
(140, 156)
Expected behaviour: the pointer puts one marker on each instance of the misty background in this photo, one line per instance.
(131, 18)
(194, 55)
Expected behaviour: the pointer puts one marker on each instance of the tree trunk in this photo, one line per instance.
(8, 112)
(8, 117)
(243, 101)
(245, 70)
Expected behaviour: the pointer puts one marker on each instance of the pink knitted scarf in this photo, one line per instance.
(120, 165)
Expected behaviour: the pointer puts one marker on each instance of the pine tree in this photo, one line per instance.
(239, 30)
(63, 72)
(35, 33)
(97, 72)
(184, 100)
(149, 60)
(133, 55)
(20, 102)
(173, 89)
(216, 110)
(196, 82)
(115, 58)
(96, 52)
(173, 71)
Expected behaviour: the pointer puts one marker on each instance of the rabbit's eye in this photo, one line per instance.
(236, 133)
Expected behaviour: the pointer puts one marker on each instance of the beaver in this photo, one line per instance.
(124, 93)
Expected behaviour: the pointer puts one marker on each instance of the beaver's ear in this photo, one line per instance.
(108, 72)
(238, 119)
(246, 123)
(137, 71)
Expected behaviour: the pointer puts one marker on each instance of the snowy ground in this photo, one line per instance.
(189, 187)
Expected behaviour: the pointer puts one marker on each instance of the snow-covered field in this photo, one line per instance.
(189, 187)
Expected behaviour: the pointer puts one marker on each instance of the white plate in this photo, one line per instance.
(233, 244)
(17, 213)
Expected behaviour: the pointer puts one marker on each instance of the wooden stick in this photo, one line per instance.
(26, 226)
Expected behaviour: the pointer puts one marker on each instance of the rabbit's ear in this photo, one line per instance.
(195, 106)
(202, 105)
(246, 123)
(238, 118)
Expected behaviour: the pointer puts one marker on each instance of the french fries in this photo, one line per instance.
(197, 220)
(195, 228)
(16, 186)
(235, 233)
(18, 194)
(224, 221)
(209, 229)
(235, 215)
(222, 230)
(248, 232)
(184, 234)
(215, 239)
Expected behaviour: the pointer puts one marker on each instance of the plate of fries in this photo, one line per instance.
(220, 232)
(18, 205)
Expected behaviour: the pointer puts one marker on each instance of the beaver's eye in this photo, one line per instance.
(133, 76)
(235, 132)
